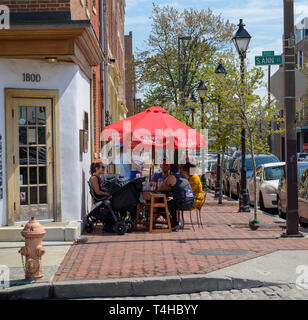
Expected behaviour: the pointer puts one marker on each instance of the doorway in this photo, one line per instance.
(30, 159)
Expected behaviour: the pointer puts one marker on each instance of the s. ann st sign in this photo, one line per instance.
(268, 60)
(31, 77)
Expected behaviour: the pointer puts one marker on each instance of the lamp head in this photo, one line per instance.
(202, 89)
(241, 39)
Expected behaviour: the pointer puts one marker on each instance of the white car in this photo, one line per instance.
(268, 176)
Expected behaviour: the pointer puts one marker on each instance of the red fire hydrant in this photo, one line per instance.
(33, 250)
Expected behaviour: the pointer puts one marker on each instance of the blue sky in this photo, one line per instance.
(263, 19)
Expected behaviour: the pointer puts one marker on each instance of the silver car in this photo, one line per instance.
(268, 176)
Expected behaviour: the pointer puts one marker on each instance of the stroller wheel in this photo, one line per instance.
(89, 227)
(130, 226)
(119, 228)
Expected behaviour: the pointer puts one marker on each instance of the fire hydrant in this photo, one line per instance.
(33, 250)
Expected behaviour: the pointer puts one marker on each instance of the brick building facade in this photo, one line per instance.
(114, 18)
(301, 50)
(130, 72)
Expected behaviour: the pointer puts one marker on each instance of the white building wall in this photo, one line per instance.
(74, 99)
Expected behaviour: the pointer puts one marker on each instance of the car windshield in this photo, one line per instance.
(273, 173)
(301, 169)
(259, 161)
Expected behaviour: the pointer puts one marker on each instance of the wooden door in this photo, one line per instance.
(30, 159)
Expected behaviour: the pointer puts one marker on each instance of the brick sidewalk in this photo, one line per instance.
(135, 255)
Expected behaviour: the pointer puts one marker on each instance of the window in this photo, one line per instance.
(273, 173)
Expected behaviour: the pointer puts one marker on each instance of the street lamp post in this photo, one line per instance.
(221, 72)
(202, 89)
(241, 41)
(181, 87)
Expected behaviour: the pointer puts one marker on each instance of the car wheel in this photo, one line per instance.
(279, 207)
(261, 202)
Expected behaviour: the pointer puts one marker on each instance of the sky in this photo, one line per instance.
(263, 20)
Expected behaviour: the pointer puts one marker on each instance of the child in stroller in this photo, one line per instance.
(102, 210)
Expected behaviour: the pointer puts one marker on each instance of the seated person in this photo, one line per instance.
(97, 170)
(159, 177)
(195, 184)
(181, 192)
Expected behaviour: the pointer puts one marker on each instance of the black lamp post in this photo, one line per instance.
(202, 89)
(221, 72)
(241, 41)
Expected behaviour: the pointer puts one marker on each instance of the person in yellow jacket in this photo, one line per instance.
(195, 184)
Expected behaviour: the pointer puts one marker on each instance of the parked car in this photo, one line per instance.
(302, 156)
(282, 189)
(303, 199)
(235, 170)
(267, 176)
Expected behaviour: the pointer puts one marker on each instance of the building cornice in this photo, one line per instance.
(73, 42)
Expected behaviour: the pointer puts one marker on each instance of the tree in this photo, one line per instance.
(157, 68)
(239, 107)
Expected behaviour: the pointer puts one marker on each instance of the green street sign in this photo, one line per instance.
(268, 60)
(268, 53)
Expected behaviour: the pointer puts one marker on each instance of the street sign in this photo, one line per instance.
(268, 53)
(268, 60)
(277, 84)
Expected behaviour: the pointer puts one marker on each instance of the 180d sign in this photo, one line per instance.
(31, 77)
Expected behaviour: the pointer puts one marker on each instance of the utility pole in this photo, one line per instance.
(269, 105)
(290, 120)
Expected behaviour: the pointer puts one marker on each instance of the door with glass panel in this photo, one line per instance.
(33, 159)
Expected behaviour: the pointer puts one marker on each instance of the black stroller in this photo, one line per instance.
(115, 209)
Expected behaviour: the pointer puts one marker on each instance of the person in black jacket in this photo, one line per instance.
(181, 193)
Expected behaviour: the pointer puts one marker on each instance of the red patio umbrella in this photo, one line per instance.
(154, 127)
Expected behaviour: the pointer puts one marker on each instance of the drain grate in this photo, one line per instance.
(221, 252)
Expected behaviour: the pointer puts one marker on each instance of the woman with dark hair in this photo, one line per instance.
(195, 183)
(97, 170)
(181, 192)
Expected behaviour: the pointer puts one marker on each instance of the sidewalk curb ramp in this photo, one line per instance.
(112, 288)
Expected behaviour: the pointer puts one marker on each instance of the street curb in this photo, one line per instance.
(129, 287)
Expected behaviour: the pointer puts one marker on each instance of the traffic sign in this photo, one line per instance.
(268, 53)
(277, 84)
(268, 60)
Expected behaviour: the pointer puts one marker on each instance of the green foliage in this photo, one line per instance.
(157, 67)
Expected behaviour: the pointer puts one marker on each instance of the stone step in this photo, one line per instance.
(55, 231)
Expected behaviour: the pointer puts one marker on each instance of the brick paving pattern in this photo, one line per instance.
(142, 254)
